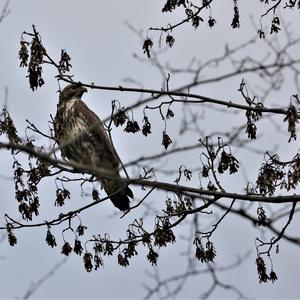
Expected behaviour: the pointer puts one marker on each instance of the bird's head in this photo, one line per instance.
(72, 91)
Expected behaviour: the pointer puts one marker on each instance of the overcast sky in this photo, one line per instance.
(101, 46)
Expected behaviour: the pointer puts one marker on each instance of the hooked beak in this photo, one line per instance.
(82, 91)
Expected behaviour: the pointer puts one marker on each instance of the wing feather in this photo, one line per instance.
(84, 139)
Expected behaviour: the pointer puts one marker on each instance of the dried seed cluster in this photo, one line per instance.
(262, 272)
(204, 254)
(33, 55)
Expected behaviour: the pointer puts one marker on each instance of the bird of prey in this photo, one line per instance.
(83, 139)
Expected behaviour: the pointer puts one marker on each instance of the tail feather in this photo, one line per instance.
(118, 193)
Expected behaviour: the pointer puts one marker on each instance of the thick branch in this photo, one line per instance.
(185, 96)
(100, 172)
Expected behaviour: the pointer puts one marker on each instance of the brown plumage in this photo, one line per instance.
(82, 138)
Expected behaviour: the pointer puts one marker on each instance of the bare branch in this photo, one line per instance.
(34, 286)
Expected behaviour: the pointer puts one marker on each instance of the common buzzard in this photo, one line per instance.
(83, 139)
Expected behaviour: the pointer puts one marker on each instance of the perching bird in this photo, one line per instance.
(83, 139)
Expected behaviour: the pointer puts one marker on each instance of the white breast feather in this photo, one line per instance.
(70, 103)
(79, 128)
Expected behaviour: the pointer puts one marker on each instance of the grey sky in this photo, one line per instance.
(101, 47)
